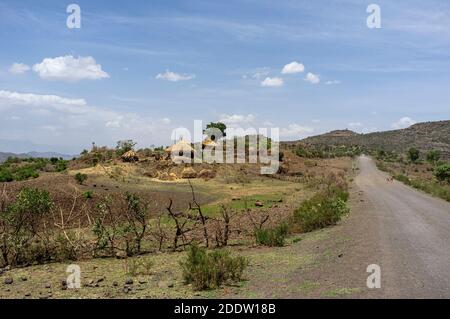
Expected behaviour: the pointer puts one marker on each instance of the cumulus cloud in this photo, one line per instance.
(174, 77)
(272, 82)
(293, 67)
(10, 99)
(403, 123)
(18, 68)
(295, 131)
(237, 119)
(69, 68)
(312, 78)
(60, 120)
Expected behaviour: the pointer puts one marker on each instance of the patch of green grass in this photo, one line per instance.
(308, 286)
(337, 292)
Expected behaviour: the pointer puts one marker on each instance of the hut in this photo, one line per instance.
(208, 143)
(181, 149)
(130, 156)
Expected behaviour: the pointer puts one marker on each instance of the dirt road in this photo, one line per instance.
(404, 231)
(411, 234)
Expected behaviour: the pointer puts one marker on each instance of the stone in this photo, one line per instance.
(48, 286)
(115, 284)
(259, 203)
(8, 281)
(121, 255)
(23, 278)
(166, 284)
(129, 281)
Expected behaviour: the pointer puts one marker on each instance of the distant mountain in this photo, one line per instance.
(4, 156)
(423, 136)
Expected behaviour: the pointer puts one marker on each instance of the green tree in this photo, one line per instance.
(433, 156)
(216, 125)
(413, 154)
(125, 146)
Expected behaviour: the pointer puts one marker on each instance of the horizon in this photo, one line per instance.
(138, 72)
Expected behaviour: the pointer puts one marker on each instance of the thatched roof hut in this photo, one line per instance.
(209, 143)
(130, 156)
(180, 148)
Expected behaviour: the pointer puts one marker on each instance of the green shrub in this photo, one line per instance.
(320, 211)
(413, 154)
(402, 178)
(88, 194)
(6, 176)
(442, 172)
(210, 270)
(273, 237)
(80, 178)
(433, 156)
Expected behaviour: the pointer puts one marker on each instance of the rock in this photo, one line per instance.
(126, 289)
(236, 198)
(28, 294)
(340, 255)
(129, 281)
(115, 284)
(121, 255)
(166, 284)
(188, 172)
(23, 278)
(101, 279)
(48, 286)
(8, 281)
(142, 281)
(259, 203)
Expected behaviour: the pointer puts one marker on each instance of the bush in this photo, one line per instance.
(274, 237)
(80, 178)
(413, 154)
(6, 176)
(210, 270)
(20, 223)
(433, 156)
(320, 211)
(442, 173)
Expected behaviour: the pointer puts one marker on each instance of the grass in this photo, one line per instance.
(338, 292)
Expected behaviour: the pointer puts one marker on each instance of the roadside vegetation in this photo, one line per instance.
(427, 172)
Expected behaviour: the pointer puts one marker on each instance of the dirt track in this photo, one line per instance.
(411, 234)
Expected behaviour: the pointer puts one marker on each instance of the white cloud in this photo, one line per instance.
(68, 68)
(332, 82)
(174, 77)
(312, 78)
(72, 122)
(293, 67)
(355, 124)
(272, 82)
(19, 68)
(403, 123)
(236, 119)
(10, 99)
(295, 130)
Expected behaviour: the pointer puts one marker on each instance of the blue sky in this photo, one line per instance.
(138, 69)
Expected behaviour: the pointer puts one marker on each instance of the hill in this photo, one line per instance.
(4, 155)
(423, 136)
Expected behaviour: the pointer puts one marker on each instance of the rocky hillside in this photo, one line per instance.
(424, 136)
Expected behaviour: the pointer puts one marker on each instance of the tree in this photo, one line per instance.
(216, 125)
(433, 156)
(413, 154)
(125, 146)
